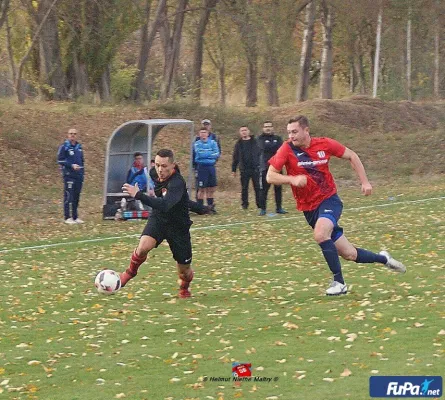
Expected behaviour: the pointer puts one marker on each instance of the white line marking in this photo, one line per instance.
(220, 226)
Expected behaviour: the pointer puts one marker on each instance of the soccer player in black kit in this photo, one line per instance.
(168, 221)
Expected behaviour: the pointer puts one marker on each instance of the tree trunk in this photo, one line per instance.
(104, 86)
(219, 61)
(377, 52)
(437, 57)
(147, 39)
(249, 41)
(252, 79)
(4, 7)
(207, 5)
(81, 85)
(18, 84)
(138, 84)
(408, 55)
(222, 85)
(352, 74)
(10, 52)
(172, 52)
(52, 77)
(360, 71)
(272, 79)
(326, 56)
(306, 53)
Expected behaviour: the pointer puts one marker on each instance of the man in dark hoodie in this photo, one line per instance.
(269, 143)
(246, 155)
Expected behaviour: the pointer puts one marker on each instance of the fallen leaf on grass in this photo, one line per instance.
(346, 372)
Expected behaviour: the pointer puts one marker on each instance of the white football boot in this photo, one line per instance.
(393, 264)
(336, 288)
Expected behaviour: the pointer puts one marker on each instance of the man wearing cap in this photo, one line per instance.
(206, 123)
(206, 153)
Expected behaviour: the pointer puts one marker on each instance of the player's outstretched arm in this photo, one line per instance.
(276, 178)
(358, 167)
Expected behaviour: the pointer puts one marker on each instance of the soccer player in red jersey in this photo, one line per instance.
(168, 221)
(306, 160)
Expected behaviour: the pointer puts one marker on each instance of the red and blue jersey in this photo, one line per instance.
(313, 162)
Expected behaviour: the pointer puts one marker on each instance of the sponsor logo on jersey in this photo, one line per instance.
(311, 163)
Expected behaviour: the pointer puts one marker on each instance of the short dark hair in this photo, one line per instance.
(267, 122)
(301, 119)
(244, 126)
(137, 154)
(166, 153)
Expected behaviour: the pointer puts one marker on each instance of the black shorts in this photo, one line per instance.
(179, 240)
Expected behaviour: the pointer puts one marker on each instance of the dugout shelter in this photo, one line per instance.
(130, 137)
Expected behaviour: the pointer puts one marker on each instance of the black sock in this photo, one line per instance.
(210, 201)
(367, 257)
(201, 202)
(330, 254)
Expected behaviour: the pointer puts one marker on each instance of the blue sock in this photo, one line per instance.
(201, 202)
(367, 257)
(210, 201)
(330, 254)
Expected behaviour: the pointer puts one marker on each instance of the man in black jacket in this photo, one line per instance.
(268, 143)
(168, 221)
(246, 156)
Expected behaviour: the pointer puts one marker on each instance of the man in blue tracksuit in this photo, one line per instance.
(206, 154)
(71, 161)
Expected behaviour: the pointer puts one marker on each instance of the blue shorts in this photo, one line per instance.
(206, 176)
(330, 208)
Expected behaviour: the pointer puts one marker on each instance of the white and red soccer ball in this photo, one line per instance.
(107, 282)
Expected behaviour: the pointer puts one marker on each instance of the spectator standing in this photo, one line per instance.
(269, 143)
(71, 161)
(206, 154)
(246, 156)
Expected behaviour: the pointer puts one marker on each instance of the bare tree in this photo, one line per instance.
(408, 53)
(172, 46)
(51, 74)
(4, 7)
(10, 51)
(19, 81)
(377, 51)
(207, 7)
(326, 56)
(147, 39)
(437, 53)
(306, 53)
(217, 56)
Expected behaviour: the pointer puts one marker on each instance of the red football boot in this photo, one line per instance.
(125, 277)
(184, 294)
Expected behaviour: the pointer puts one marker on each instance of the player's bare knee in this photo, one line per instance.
(320, 236)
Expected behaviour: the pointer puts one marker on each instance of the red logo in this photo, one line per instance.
(241, 369)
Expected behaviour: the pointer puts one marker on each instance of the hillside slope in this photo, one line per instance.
(396, 140)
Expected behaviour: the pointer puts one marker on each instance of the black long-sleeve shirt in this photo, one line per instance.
(171, 204)
(246, 155)
(269, 145)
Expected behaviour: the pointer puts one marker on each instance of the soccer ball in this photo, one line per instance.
(107, 281)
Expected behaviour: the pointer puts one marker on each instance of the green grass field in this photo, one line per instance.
(258, 297)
